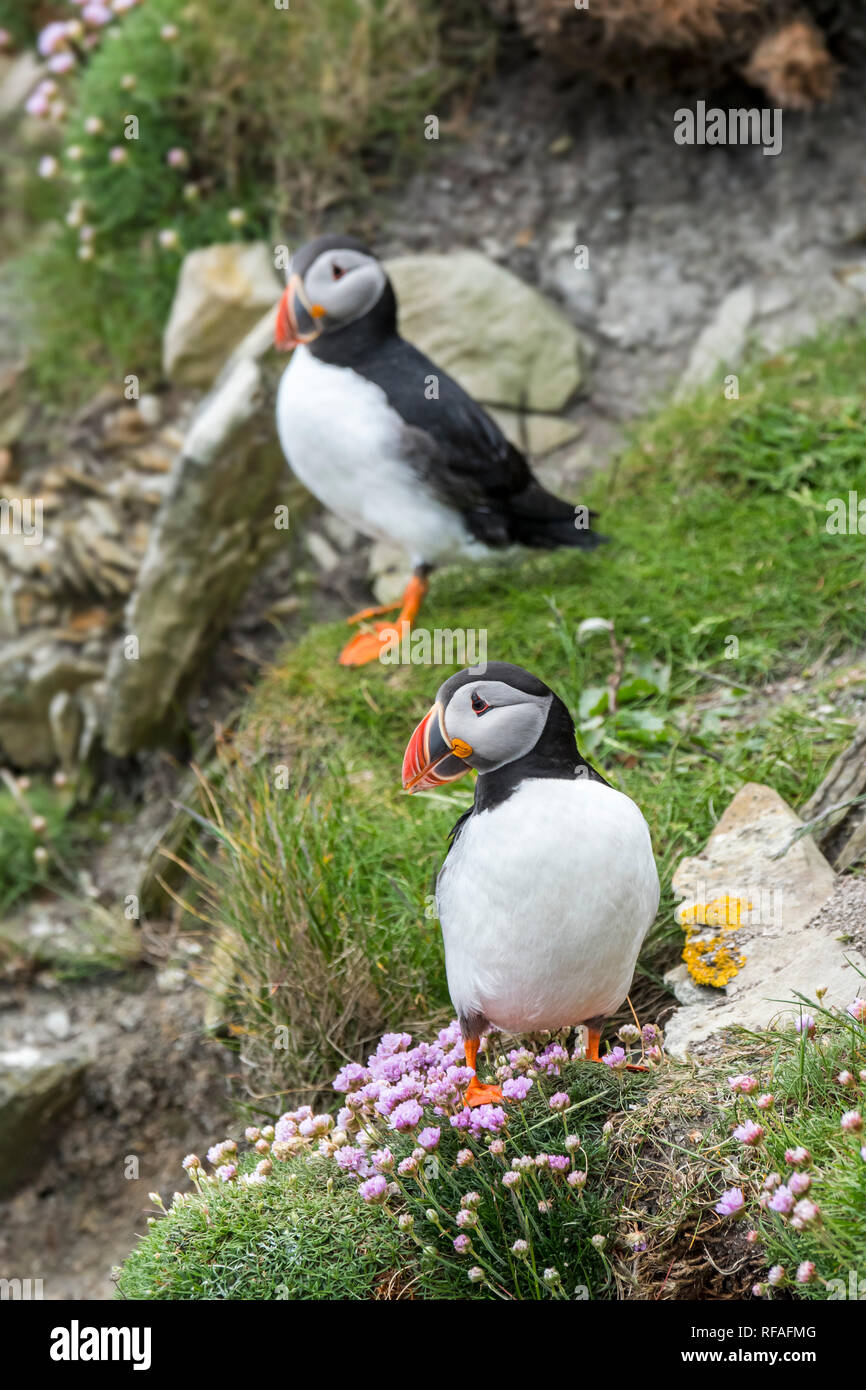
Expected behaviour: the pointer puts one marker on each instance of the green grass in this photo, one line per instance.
(306, 1233)
(37, 835)
(281, 114)
(336, 876)
(802, 1073)
(300, 1236)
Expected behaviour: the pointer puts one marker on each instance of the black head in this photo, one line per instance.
(335, 283)
(500, 720)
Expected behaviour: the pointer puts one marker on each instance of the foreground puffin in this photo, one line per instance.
(550, 885)
(391, 443)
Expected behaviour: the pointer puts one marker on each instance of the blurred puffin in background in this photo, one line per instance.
(549, 886)
(362, 427)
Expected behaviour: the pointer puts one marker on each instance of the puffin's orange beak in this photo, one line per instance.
(432, 758)
(298, 321)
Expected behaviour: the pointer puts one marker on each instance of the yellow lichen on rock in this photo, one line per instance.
(712, 960)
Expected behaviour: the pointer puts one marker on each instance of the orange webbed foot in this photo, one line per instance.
(368, 646)
(479, 1094)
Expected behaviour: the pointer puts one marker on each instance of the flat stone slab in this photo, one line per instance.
(505, 343)
(764, 889)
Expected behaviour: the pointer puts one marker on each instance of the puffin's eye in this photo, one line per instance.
(480, 706)
(337, 272)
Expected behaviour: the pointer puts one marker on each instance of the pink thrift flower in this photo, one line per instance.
(517, 1089)
(52, 38)
(845, 1078)
(615, 1059)
(745, 1085)
(374, 1190)
(559, 1101)
(807, 1211)
(96, 14)
(731, 1203)
(798, 1158)
(429, 1138)
(806, 1024)
(851, 1122)
(782, 1201)
(462, 1244)
(37, 104)
(799, 1183)
(806, 1272)
(749, 1133)
(61, 62)
(858, 1010)
(766, 1101)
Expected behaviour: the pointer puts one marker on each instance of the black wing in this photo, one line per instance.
(463, 456)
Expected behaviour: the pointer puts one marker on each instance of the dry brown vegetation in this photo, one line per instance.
(773, 44)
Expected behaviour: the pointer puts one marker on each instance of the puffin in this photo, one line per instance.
(390, 443)
(549, 886)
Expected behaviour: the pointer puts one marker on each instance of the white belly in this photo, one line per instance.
(544, 903)
(343, 440)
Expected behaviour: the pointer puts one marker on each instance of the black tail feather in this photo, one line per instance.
(538, 518)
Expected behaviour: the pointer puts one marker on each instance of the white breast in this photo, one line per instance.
(343, 440)
(544, 903)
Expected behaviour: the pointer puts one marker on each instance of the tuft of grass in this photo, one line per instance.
(727, 599)
(319, 938)
(300, 1236)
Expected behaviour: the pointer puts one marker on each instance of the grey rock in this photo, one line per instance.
(171, 980)
(722, 342)
(781, 883)
(33, 669)
(503, 341)
(36, 1086)
(213, 530)
(535, 434)
(150, 410)
(18, 77)
(222, 293)
(58, 1024)
(66, 720)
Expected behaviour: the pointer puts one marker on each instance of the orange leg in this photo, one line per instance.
(368, 646)
(476, 1094)
(367, 613)
(593, 1038)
